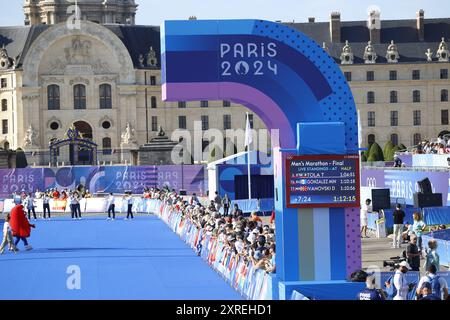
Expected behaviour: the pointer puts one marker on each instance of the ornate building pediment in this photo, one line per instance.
(79, 80)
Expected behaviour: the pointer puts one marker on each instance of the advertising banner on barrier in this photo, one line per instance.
(105, 179)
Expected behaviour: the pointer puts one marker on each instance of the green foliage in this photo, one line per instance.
(363, 157)
(387, 149)
(390, 155)
(21, 159)
(375, 153)
(402, 146)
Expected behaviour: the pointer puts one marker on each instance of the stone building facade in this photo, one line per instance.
(105, 78)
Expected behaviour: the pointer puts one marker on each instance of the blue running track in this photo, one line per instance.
(139, 259)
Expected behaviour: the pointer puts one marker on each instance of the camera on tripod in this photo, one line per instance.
(393, 262)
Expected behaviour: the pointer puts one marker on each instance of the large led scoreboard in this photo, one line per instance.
(322, 181)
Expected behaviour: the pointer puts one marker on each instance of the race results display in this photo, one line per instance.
(322, 181)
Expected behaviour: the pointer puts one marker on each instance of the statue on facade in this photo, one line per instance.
(5, 61)
(129, 135)
(152, 61)
(370, 56)
(30, 139)
(161, 132)
(141, 60)
(347, 54)
(443, 52)
(429, 55)
(392, 54)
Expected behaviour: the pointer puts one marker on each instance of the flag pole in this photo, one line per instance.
(249, 174)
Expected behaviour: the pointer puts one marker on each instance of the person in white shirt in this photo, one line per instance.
(46, 205)
(111, 206)
(73, 201)
(129, 200)
(365, 209)
(437, 283)
(7, 236)
(400, 281)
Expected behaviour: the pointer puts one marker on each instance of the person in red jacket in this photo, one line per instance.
(20, 226)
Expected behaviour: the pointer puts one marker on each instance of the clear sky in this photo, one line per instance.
(153, 12)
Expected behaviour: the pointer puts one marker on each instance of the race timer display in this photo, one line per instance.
(322, 181)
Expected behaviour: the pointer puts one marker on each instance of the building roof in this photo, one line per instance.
(138, 39)
(403, 32)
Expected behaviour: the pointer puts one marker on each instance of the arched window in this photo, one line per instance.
(417, 138)
(4, 105)
(394, 139)
(79, 96)
(444, 95)
(53, 97)
(106, 145)
(371, 139)
(416, 96)
(105, 96)
(393, 97)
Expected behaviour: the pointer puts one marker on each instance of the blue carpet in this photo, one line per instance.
(140, 259)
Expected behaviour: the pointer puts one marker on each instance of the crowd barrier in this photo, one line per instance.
(252, 284)
(254, 205)
(431, 216)
(89, 205)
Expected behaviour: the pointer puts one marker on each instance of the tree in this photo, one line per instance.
(387, 148)
(21, 159)
(375, 153)
(390, 155)
(363, 157)
(402, 146)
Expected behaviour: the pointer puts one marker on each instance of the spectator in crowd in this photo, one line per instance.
(46, 205)
(87, 194)
(399, 216)
(437, 285)
(7, 236)
(236, 211)
(226, 203)
(111, 205)
(426, 292)
(412, 254)
(371, 292)
(55, 194)
(432, 257)
(418, 228)
(400, 281)
(239, 236)
(365, 209)
(408, 231)
(397, 161)
(217, 201)
(255, 218)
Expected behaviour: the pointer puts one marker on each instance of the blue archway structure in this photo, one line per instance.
(295, 87)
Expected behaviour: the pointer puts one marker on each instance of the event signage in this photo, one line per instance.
(322, 181)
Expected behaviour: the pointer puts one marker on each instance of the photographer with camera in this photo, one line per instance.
(400, 282)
